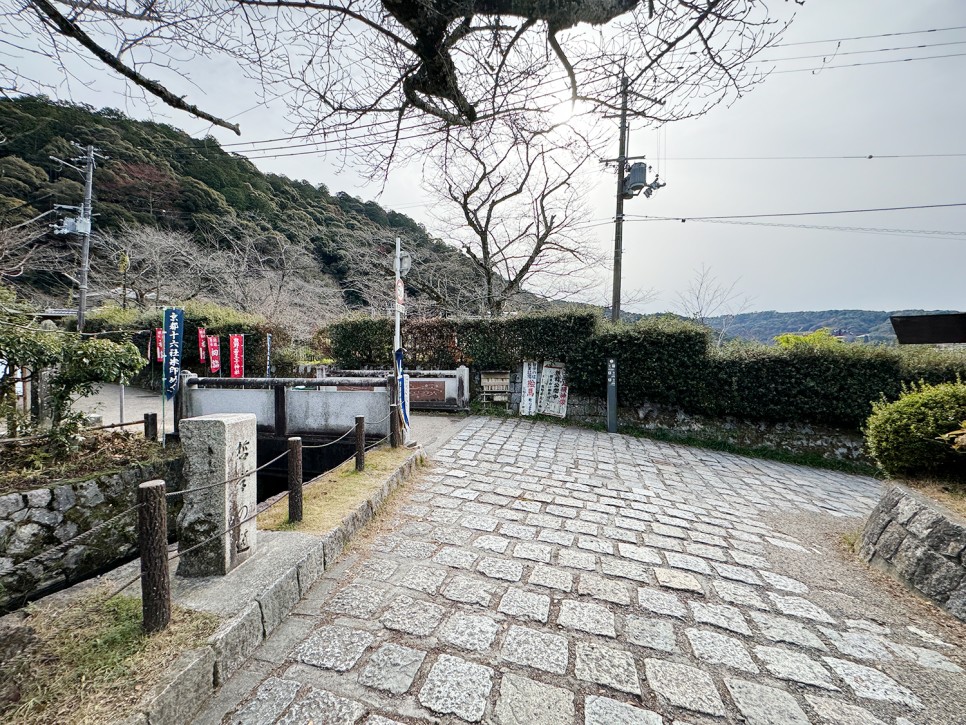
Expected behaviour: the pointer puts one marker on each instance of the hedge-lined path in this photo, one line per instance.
(543, 574)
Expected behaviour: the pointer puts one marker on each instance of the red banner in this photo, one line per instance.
(236, 348)
(159, 343)
(201, 343)
(214, 350)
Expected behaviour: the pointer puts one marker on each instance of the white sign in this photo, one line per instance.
(553, 390)
(528, 401)
(400, 292)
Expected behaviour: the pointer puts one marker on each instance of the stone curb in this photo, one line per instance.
(194, 676)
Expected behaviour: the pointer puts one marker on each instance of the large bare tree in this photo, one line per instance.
(365, 72)
(515, 207)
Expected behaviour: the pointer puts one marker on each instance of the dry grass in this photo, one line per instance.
(90, 663)
(336, 493)
(950, 495)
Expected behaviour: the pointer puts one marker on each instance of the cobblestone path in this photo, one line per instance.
(547, 575)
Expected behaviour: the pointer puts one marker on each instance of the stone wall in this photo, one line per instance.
(825, 441)
(921, 544)
(31, 522)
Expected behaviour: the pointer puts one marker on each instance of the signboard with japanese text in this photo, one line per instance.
(531, 378)
(214, 353)
(159, 343)
(553, 390)
(236, 355)
(173, 348)
(202, 343)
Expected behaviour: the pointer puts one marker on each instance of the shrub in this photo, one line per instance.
(904, 436)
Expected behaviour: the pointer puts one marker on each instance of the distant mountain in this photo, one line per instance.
(867, 325)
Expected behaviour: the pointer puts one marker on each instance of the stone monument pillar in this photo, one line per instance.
(217, 448)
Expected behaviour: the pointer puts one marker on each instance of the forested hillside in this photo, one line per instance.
(867, 325)
(221, 228)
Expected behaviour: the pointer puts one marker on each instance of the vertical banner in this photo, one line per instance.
(214, 353)
(173, 345)
(202, 344)
(528, 398)
(268, 356)
(236, 355)
(553, 390)
(159, 343)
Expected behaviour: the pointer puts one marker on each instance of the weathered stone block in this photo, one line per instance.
(907, 557)
(183, 688)
(936, 577)
(218, 520)
(890, 541)
(38, 498)
(279, 599)
(10, 503)
(310, 569)
(234, 641)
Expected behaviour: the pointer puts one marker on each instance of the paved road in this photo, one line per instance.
(547, 575)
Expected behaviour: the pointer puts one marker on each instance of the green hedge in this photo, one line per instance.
(137, 326)
(903, 436)
(664, 360)
(501, 343)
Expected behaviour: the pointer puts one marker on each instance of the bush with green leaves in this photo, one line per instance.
(905, 436)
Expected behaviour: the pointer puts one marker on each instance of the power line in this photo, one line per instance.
(836, 53)
(852, 157)
(800, 213)
(875, 62)
(868, 37)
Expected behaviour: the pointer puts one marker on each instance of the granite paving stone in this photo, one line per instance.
(587, 617)
(392, 667)
(607, 666)
(657, 634)
(719, 649)
(469, 591)
(489, 542)
(720, 615)
(424, 579)
(673, 579)
(761, 705)
(323, 706)
(504, 569)
(525, 605)
(455, 686)
(604, 711)
(412, 616)
(533, 551)
(532, 648)
(786, 664)
(456, 557)
(552, 578)
(660, 602)
(469, 631)
(799, 607)
(871, 683)
(842, 713)
(524, 701)
(334, 648)
(577, 559)
(639, 553)
(357, 600)
(742, 594)
(271, 698)
(781, 629)
(684, 686)
(602, 588)
(626, 569)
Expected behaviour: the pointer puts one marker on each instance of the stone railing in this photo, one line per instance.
(33, 522)
(921, 544)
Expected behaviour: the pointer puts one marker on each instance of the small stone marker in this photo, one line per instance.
(217, 448)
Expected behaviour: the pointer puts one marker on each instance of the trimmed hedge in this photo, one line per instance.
(903, 436)
(138, 325)
(664, 360)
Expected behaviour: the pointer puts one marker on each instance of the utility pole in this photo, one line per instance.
(631, 181)
(82, 225)
(615, 307)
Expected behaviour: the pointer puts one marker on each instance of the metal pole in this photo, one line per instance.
(360, 443)
(397, 339)
(122, 404)
(294, 479)
(611, 395)
(615, 309)
(86, 244)
(153, 544)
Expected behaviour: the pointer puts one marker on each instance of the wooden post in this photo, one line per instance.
(360, 442)
(294, 479)
(395, 431)
(153, 544)
(281, 422)
(151, 426)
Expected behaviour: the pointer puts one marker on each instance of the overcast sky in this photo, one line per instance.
(908, 108)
